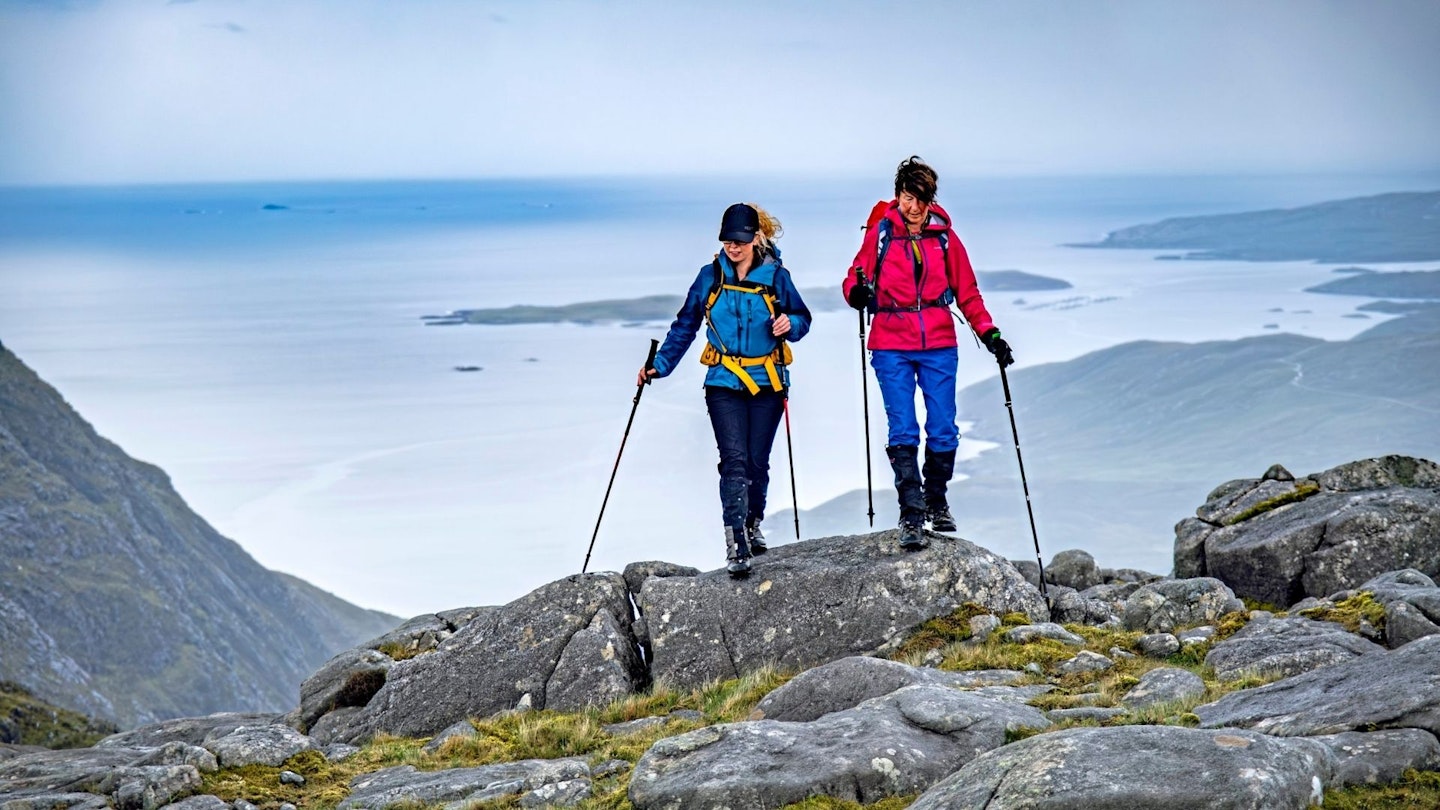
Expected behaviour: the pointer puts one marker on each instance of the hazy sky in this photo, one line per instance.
(273, 89)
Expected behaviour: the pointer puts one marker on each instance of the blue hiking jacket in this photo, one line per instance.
(742, 321)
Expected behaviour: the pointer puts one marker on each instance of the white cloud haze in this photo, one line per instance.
(277, 89)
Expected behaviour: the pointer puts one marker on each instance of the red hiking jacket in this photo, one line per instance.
(904, 321)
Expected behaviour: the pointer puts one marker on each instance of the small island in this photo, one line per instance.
(662, 308)
(1399, 227)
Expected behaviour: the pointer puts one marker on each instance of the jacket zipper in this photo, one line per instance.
(919, 254)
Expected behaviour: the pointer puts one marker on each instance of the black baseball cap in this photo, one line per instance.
(739, 224)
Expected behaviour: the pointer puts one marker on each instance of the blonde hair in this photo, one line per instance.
(770, 230)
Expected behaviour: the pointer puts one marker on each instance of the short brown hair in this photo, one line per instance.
(914, 176)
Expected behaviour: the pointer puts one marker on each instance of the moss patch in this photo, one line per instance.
(1302, 490)
(1350, 612)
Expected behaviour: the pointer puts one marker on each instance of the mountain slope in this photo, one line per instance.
(118, 600)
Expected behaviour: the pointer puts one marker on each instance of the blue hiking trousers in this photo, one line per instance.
(745, 428)
(898, 371)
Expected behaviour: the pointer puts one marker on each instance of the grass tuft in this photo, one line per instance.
(1416, 790)
(940, 631)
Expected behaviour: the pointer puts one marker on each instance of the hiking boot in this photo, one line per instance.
(755, 537)
(940, 519)
(737, 553)
(912, 535)
(739, 567)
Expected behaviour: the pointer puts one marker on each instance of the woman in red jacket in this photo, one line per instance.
(908, 272)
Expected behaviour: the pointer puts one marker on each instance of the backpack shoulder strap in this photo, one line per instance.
(715, 285)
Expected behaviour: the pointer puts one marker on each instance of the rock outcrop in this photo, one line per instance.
(404, 785)
(844, 684)
(1278, 540)
(816, 601)
(574, 642)
(562, 646)
(1396, 689)
(887, 746)
(1285, 647)
(1135, 766)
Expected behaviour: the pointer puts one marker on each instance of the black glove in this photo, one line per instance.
(998, 347)
(860, 295)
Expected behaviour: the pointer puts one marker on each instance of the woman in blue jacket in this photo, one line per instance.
(751, 311)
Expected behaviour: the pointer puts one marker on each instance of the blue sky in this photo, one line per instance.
(93, 91)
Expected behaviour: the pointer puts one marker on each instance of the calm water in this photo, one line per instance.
(263, 344)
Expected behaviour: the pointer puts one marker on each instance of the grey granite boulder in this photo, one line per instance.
(888, 746)
(1140, 767)
(1027, 633)
(1084, 661)
(817, 601)
(557, 794)
(126, 777)
(1285, 647)
(349, 679)
(179, 753)
(507, 657)
(1163, 607)
(1406, 621)
(463, 730)
(600, 664)
(637, 572)
(846, 683)
(1164, 685)
(1158, 645)
(1381, 757)
(425, 632)
(404, 784)
(188, 730)
(259, 745)
(1073, 568)
(1394, 689)
(1071, 607)
(1340, 528)
(1412, 604)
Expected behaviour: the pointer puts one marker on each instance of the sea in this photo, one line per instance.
(267, 345)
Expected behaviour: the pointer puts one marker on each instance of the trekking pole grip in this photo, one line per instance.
(649, 364)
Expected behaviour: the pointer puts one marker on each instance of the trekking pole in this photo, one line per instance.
(1014, 431)
(639, 389)
(865, 399)
(790, 452)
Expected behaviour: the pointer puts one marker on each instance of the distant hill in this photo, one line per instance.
(1421, 284)
(118, 601)
(1398, 227)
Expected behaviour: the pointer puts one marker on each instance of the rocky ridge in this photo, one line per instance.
(979, 702)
